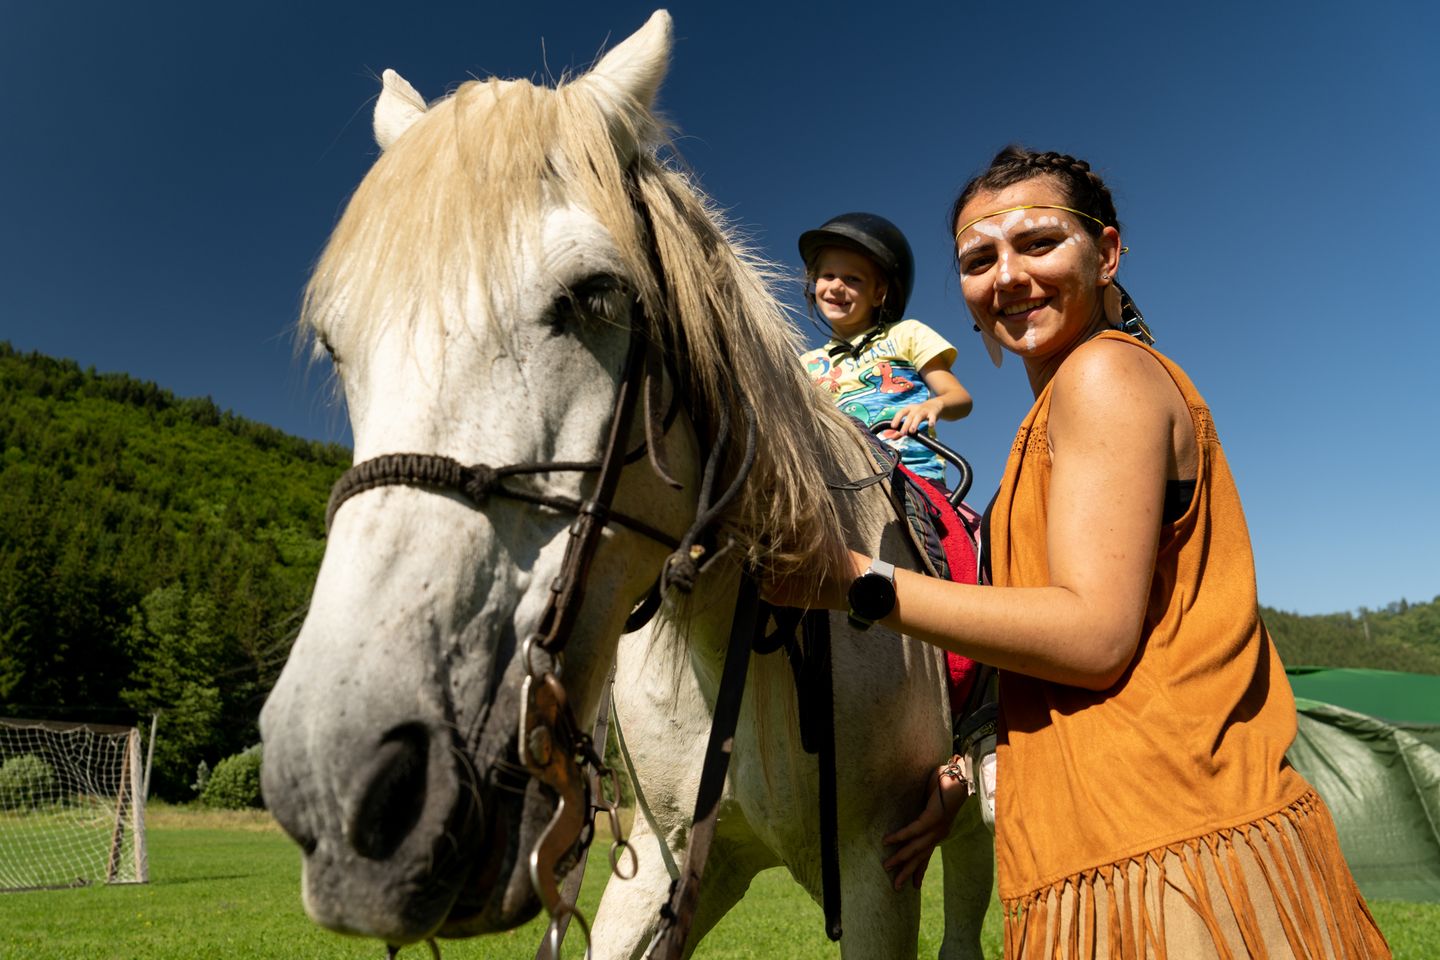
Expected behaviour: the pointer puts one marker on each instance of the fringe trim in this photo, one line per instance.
(1307, 899)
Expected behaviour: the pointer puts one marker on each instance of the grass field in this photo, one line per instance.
(227, 887)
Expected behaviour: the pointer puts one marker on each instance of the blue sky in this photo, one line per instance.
(170, 171)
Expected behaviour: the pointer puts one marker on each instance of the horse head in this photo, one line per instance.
(487, 321)
(511, 253)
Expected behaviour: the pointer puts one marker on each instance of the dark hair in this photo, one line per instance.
(1082, 188)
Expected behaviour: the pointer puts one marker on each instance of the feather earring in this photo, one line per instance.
(992, 348)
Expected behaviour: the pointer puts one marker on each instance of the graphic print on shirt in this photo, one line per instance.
(825, 374)
(873, 388)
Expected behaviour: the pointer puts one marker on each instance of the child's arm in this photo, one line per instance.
(949, 399)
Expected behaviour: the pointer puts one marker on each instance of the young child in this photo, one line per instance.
(878, 366)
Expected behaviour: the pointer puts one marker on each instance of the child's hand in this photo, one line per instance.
(910, 419)
(918, 839)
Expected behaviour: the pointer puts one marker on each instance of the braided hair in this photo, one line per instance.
(1082, 187)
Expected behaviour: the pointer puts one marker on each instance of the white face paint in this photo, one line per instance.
(1003, 228)
(1001, 231)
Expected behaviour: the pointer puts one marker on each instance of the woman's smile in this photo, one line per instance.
(1014, 310)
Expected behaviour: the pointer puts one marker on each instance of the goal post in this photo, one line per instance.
(72, 805)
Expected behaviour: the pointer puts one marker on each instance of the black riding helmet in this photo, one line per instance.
(876, 238)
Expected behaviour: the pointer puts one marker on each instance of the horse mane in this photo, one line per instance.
(446, 204)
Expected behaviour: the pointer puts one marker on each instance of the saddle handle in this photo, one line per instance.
(952, 457)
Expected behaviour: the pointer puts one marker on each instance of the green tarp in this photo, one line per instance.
(1403, 698)
(1369, 742)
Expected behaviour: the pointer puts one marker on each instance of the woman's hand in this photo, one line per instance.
(917, 840)
(910, 419)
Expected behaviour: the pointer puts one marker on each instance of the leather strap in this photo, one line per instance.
(817, 650)
(678, 912)
(815, 694)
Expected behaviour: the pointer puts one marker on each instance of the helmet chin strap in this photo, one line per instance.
(843, 347)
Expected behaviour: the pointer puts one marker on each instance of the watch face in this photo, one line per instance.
(872, 596)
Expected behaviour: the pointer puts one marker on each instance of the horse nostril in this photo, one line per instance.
(392, 793)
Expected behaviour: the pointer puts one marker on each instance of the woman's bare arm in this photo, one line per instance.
(1111, 427)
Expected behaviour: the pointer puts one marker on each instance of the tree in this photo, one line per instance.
(172, 643)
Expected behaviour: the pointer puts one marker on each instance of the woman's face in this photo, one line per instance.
(848, 288)
(1031, 278)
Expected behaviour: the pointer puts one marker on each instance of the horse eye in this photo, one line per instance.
(323, 348)
(594, 296)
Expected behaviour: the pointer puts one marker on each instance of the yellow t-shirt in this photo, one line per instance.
(873, 386)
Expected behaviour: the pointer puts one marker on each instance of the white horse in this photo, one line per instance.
(478, 299)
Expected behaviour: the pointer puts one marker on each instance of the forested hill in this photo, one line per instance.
(156, 553)
(1403, 636)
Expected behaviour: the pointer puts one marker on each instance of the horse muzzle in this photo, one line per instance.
(406, 833)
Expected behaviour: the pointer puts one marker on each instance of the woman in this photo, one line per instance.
(1145, 806)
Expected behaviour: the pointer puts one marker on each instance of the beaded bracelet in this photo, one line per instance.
(955, 771)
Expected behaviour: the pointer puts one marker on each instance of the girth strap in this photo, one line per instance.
(814, 625)
(677, 914)
(817, 650)
(815, 693)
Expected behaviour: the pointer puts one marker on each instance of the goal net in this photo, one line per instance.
(72, 805)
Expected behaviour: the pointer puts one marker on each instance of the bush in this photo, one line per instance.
(25, 781)
(234, 784)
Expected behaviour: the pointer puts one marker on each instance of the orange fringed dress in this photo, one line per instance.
(1159, 818)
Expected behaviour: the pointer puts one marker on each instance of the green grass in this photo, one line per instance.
(227, 887)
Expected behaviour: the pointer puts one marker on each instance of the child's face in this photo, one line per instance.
(848, 289)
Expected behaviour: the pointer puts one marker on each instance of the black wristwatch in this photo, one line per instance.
(872, 594)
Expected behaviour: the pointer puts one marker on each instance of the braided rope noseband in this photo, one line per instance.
(476, 482)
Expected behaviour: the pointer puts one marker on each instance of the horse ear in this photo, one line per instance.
(398, 107)
(629, 76)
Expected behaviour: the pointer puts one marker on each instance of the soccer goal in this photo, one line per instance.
(72, 805)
